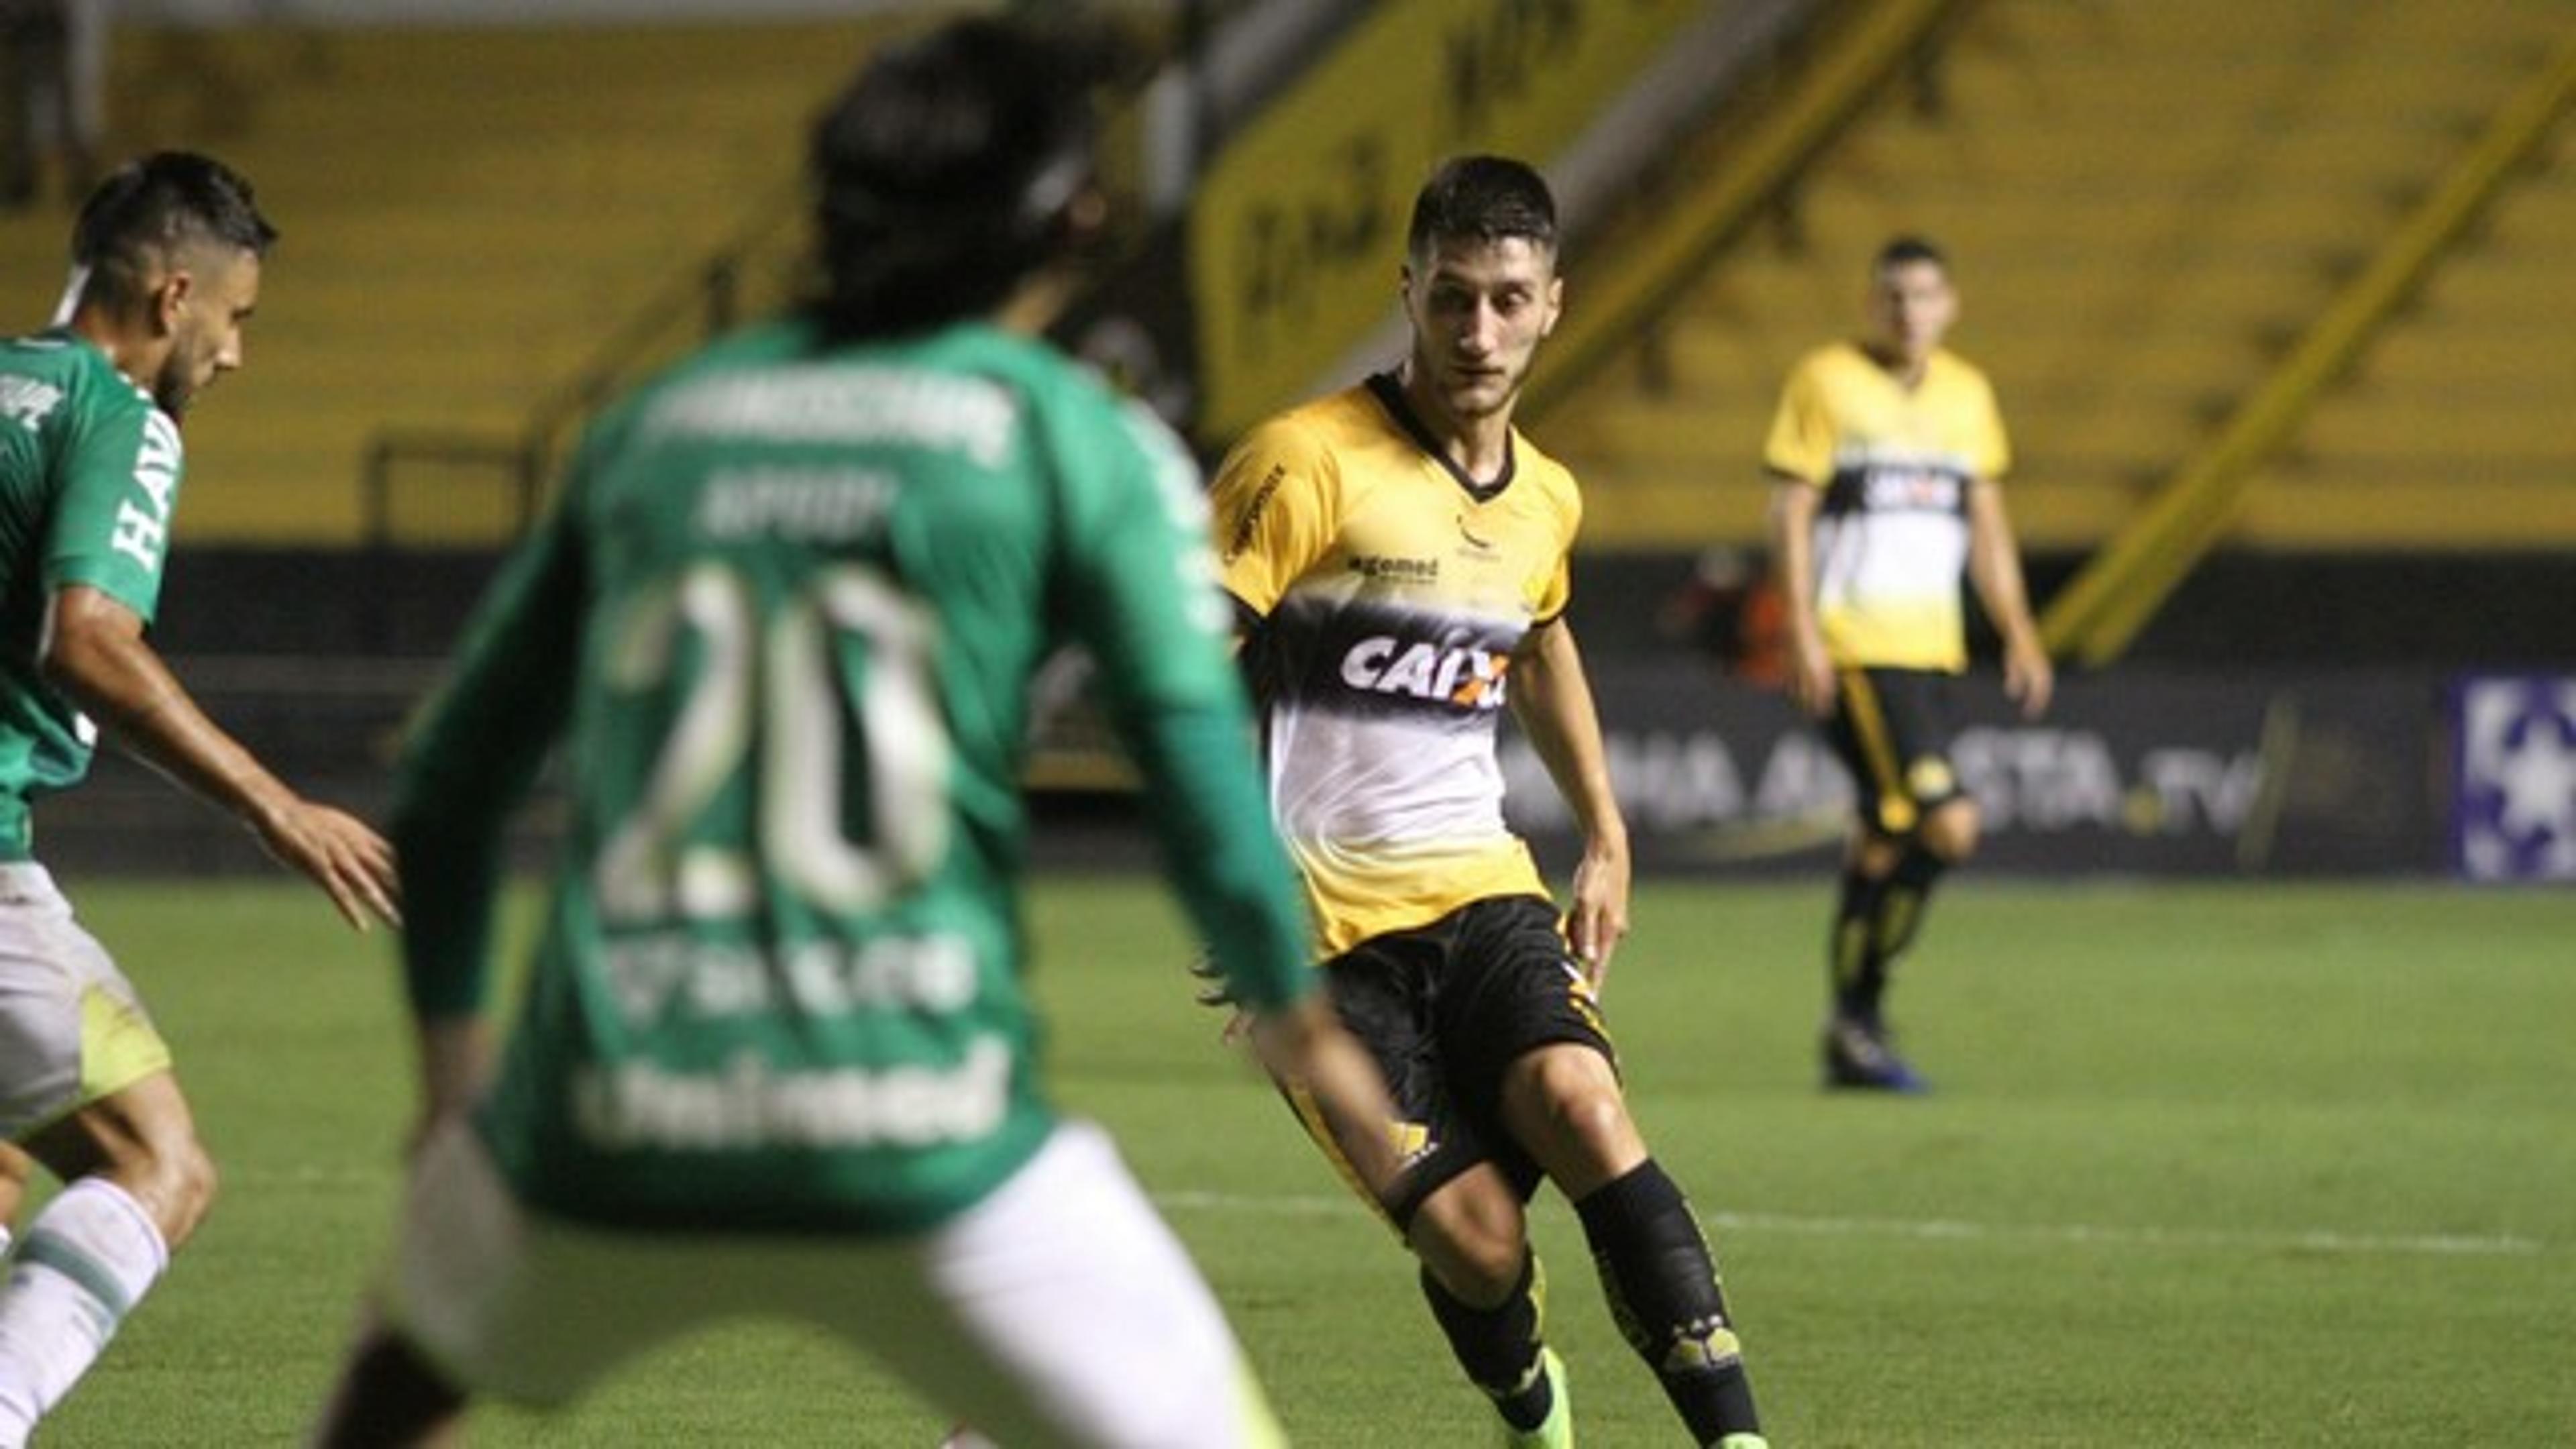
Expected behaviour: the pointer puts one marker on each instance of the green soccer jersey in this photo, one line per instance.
(89, 474)
(783, 620)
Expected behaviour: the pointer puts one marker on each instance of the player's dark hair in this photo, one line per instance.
(949, 170)
(1482, 198)
(146, 211)
(1905, 251)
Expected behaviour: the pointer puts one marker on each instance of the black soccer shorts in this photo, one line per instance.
(1446, 1009)
(1891, 729)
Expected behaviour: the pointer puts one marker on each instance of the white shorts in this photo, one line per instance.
(1059, 1311)
(71, 1028)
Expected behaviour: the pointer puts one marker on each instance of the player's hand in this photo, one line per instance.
(1214, 993)
(1598, 920)
(2029, 679)
(1812, 682)
(352, 864)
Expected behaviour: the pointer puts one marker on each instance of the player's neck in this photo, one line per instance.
(137, 357)
(1036, 303)
(1480, 446)
(1902, 365)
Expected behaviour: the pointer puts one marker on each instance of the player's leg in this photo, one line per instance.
(1465, 1222)
(1948, 836)
(138, 1186)
(1062, 1310)
(1913, 819)
(1562, 1103)
(85, 1088)
(17, 1169)
(1857, 967)
(1488, 1293)
(388, 1394)
(1656, 1268)
(1946, 817)
(1863, 737)
(1456, 1208)
(485, 1298)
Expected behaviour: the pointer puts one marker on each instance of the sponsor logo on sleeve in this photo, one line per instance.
(26, 401)
(1248, 522)
(142, 529)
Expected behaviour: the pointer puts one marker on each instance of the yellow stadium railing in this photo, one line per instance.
(2101, 611)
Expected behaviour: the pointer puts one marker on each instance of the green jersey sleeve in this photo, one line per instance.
(1138, 586)
(117, 476)
(475, 754)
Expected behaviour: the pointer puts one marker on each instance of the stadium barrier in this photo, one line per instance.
(2135, 772)
(2144, 772)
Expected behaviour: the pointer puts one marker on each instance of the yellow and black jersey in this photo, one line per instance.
(1390, 591)
(1896, 464)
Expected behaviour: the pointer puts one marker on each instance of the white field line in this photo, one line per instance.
(1315, 1205)
(2434, 1245)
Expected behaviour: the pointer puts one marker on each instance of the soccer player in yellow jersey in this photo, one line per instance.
(1398, 553)
(1884, 457)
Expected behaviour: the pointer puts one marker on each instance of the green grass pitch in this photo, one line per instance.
(2208, 1165)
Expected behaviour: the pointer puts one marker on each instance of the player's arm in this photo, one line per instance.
(1139, 592)
(1994, 570)
(95, 653)
(1794, 503)
(1143, 597)
(1552, 699)
(473, 757)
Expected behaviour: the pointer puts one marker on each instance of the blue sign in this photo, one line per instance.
(2517, 778)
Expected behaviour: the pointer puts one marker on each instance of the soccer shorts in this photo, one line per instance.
(71, 1028)
(1058, 1311)
(1891, 729)
(1445, 1009)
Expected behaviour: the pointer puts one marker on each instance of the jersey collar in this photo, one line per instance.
(1389, 393)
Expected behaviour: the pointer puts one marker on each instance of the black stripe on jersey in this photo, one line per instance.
(1370, 660)
(1895, 487)
(1390, 396)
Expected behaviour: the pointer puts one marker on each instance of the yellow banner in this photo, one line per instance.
(1297, 230)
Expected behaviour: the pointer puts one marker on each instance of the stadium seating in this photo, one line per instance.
(467, 214)
(2146, 200)
(2455, 427)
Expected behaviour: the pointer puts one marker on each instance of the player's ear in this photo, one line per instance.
(1555, 305)
(170, 298)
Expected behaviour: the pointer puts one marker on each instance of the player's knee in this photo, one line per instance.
(175, 1182)
(1951, 832)
(1571, 1097)
(1482, 1267)
(1585, 1107)
(1473, 1241)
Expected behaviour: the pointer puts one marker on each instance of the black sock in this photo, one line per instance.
(1499, 1347)
(1902, 904)
(1859, 970)
(1662, 1283)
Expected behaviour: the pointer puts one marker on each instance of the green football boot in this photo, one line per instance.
(1557, 1431)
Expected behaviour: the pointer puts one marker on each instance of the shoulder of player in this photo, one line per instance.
(100, 399)
(1541, 469)
(1049, 382)
(1303, 440)
(1949, 369)
(81, 374)
(1838, 356)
